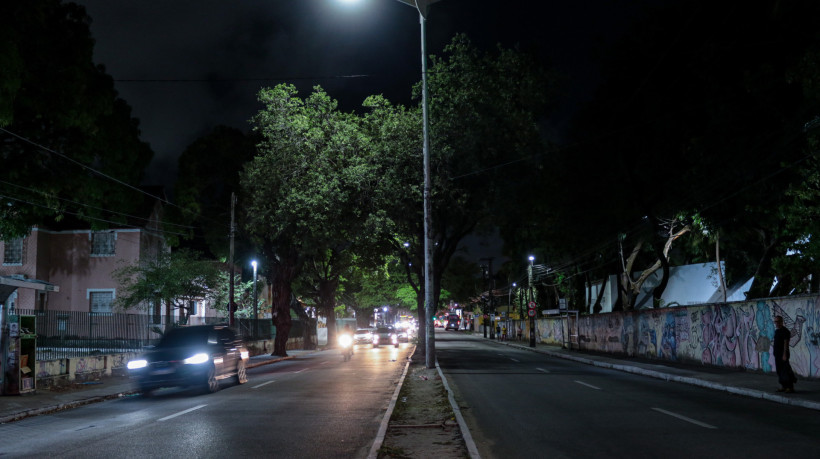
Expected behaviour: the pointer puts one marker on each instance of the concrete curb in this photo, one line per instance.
(268, 362)
(472, 449)
(377, 443)
(63, 406)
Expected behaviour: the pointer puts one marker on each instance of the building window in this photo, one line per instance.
(103, 244)
(13, 252)
(192, 307)
(102, 301)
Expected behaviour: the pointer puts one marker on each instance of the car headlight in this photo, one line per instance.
(344, 340)
(137, 364)
(244, 355)
(197, 358)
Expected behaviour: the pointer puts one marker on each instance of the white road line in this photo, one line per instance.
(588, 385)
(322, 363)
(181, 413)
(263, 384)
(303, 369)
(514, 360)
(543, 370)
(680, 416)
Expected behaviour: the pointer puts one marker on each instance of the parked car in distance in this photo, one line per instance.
(199, 356)
(363, 336)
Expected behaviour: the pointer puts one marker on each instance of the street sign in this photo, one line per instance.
(531, 312)
(531, 305)
(549, 312)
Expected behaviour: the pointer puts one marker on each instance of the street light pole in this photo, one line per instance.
(429, 307)
(255, 310)
(532, 316)
(429, 297)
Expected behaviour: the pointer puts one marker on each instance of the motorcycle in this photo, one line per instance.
(346, 346)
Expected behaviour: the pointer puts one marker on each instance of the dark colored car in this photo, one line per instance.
(200, 356)
(453, 323)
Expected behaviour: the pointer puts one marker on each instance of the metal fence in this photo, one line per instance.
(66, 334)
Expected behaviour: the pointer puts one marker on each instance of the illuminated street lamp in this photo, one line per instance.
(430, 344)
(255, 311)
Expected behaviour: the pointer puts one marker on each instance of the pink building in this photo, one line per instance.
(81, 262)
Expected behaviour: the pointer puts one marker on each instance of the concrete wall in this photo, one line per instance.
(735, 335)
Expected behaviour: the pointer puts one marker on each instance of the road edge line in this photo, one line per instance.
(472, 449)
(377, 443)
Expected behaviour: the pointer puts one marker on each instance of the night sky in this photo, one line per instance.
(185, 66)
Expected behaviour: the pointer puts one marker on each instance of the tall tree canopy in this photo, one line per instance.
(61, 117)
(308, 193)
(700, 119)
(484, 108)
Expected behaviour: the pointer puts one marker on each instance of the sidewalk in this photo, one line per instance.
(43, 401)
(739, 382)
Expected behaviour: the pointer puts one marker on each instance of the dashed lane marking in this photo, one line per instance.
(682, 417)
(181, 413)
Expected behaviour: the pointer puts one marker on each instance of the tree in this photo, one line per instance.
(208, 174)
(483, 111)
(174, 279)
(699, 115)
(66, 134)
(307, 194)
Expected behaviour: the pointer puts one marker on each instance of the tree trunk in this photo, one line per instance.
(168, 323)
(281, 272)
(327, 300)
(719, 268)
(597, 308)
(763, 278)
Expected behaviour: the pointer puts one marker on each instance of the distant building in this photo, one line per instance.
(687, 285)
(81, 261)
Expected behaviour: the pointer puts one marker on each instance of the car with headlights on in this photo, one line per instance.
(199, 356)
(385, 336)
(363, 336)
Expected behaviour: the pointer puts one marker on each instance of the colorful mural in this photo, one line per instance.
(727, 334)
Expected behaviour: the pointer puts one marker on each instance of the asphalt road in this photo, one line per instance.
(521, 404)
(314, 406)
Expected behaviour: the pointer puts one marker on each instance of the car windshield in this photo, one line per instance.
(362, 331)
(384, 330)
(184, 337)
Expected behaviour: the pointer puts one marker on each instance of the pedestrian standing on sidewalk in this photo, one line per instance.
(497, 331)
(504, 333)
(780, 348)
(520, 331)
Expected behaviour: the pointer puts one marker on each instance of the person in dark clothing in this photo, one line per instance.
(780, 348)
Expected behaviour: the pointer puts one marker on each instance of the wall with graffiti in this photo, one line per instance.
(727, 334)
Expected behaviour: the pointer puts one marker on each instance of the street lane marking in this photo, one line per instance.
(303, 369)
(682, 417)
(541, 369)
(514, 360)
(263, 384)
(181, 413)
(588, 385)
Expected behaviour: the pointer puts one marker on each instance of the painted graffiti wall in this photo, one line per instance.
(727, 334)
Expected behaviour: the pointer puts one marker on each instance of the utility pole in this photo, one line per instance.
(231, 304)
(491, 285)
